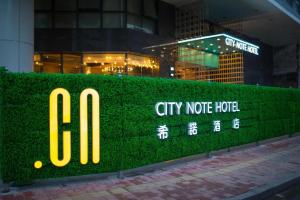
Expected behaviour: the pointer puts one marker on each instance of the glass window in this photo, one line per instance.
(42, 20)
(89, 4)
(51, 63)
(108, 63)
(111, 20)
(89, 20)
(134, 22)
(65, 5)
(113, 5)
(150, 8)
(65, 20)
(38, 67)
(139, 65)
(134, 6)
(71, 63)
(42, 4)
(149, 26)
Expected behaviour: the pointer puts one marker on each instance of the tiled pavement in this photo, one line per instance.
(220, 177)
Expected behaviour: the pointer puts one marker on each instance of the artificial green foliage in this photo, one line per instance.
(129, 122)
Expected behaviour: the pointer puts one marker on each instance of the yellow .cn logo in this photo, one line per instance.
(66, 119)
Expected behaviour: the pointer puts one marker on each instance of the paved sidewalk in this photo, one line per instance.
(224, 176)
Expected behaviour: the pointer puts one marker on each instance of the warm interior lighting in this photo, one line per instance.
(98, 63)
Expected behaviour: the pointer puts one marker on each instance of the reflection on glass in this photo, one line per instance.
(42, 4)
(89, 20)
(65, 20)
(111, 20)
(134, 6)
(150, 8)
(42, 20)
(89, 4)
(148, 26)
(65, 5)
(71, 63)
(113, 5)
(134, 22)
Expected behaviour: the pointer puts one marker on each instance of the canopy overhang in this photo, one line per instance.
(215, 44)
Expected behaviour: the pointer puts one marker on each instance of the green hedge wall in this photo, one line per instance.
(129, 122)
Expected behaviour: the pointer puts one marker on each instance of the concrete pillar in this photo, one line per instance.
(298, 62)
(17, 35)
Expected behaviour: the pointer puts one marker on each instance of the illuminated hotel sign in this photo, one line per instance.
(164, 109)
(221, 44)
(195, 108)
(62, 161)
(245, 46)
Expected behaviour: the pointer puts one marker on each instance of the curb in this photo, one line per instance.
(136, 171)
(270, 190)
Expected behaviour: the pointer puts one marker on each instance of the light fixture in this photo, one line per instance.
(211, 44)
(219, 47)
(218, 39)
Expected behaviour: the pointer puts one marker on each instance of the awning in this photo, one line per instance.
(215, 44)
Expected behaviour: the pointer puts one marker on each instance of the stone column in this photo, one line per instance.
(17, 35)
(298, 63)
